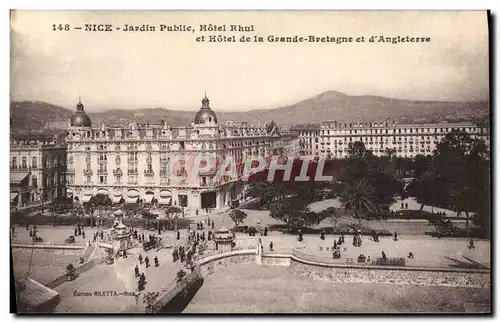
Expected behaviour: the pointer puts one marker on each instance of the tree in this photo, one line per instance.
(359, 197)
(238, 216)
(172, 213)
(463, 202)
(294, 211)
(332, 215)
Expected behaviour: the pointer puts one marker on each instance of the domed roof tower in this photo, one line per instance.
(80, 118)
(205, 115)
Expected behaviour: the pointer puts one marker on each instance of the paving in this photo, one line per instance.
(110, 288)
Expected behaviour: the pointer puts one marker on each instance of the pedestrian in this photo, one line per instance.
(156, 262)
(410, 255)
(395, 236)
(143, 237)
(196, 211)
(384, 257)
(83, 234)
(271, 246)
(124, 254)
(265, 232)
(213, 226)
(94, 239)
(300, 236)
(471, 244)
(102, 235)
(76, 231)
(197, 236)
(402, 206)
(140, 259)
(146, 261)
(136, 270)
(322, 235)
(334, 244)
(209, 235)
(27, 226)
(178, 234)
(79, 230)
(31, 232)
(406, 206)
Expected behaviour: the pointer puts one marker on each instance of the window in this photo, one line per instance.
(33, 162)
(44, 162)
(23, 163)
(14, 162)
(118, 160)
(34, 181)
(102, 179)
(88, 179)
(70, 160)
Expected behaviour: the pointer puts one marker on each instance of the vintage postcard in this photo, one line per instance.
(250, 162)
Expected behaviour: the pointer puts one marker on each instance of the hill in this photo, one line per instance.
(330, 105)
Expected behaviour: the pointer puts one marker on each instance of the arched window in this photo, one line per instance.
(23, 163)
(33, 162)
(34, 181)
(14, 162)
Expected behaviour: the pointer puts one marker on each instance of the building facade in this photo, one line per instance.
(37, 172)
(153, 163)
(332, 138)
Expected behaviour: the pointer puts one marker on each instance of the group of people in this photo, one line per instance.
(98, 234)
(79, 231)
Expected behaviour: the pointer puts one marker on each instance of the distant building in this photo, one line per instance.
(131, 164)
(37, 172)
(332, 138)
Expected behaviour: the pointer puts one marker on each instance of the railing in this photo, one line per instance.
(77, 271)
(174, 289)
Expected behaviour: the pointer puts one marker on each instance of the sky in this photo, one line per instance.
(121, 70)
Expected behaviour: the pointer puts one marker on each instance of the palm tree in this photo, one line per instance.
(359, 197)
(462, 201)
(390, 152)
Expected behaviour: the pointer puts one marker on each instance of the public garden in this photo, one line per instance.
(432, 211)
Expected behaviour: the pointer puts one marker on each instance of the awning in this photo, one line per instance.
(86, 198)
(165, 193)
(148, 198)
(165, 200)
(103, 192)
(133, 193)
(13, 196)
(116, 199)
(17, 177)
(131, 200)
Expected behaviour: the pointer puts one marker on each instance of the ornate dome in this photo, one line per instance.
(205, 114)
(80, 118)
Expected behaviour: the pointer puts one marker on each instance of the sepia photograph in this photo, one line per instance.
(250, 162)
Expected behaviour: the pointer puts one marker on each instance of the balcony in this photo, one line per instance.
(164, 173)
(103, 171)
(87, 172)
(118, 172)
(132, 172)
(148, 172)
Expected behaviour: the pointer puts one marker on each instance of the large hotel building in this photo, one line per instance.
(131, 164)
(37, 172)
(331, 139)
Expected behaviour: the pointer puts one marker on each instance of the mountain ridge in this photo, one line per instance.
(330, 105)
